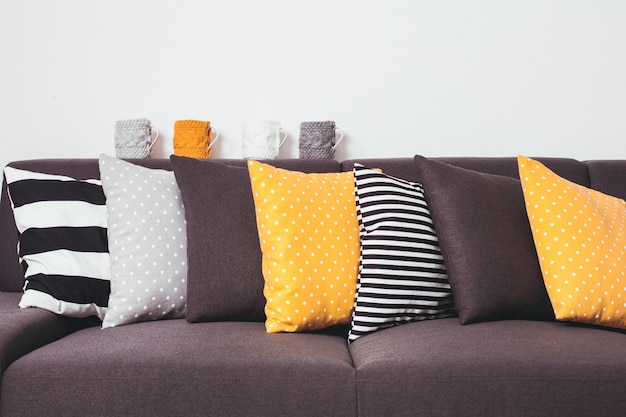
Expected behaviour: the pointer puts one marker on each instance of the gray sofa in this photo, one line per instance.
(220, 361)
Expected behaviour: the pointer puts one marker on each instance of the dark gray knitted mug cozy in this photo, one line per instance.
(133, 138)
(317, 140)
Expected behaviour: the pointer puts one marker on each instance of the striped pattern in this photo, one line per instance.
(63, 244)
(402, 277)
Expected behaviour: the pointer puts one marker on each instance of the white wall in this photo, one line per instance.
(492, 77)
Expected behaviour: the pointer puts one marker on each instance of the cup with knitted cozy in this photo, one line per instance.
(133, 138)
(318, 140)
(194, 138)
(261, 139)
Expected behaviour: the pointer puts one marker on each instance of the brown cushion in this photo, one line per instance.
(486, 242)
(225, 280)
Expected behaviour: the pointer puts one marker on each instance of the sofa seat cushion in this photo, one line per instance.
(499, 368)
(24, 330)
(174, 367)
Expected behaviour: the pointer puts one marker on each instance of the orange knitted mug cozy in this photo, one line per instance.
(193, 138)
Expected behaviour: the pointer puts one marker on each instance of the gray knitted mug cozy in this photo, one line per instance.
(133, 138)
(317, 140)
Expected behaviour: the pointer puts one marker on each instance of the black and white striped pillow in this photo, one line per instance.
(62, 242)
(402, 277)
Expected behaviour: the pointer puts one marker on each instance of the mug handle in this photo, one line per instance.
(340, 137)
(282, 142)
(156, 138)
(217, 135)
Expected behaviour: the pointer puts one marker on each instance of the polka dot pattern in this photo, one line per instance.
(309, 237)
(580, 237)
(147, 243)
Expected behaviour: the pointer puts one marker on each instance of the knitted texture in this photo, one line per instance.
(133, 138)
(317, 140)
(192, 138)
(261, 139)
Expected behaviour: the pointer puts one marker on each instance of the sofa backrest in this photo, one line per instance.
(570, 169)
(604, 175)
(608, 176)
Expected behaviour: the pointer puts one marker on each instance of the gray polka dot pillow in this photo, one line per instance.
(147, 243)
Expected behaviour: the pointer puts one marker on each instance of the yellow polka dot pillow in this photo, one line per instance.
(580, 236)
(309, 236)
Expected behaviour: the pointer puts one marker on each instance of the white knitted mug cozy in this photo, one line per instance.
(133, 138)
(262, 139)
(318, 140)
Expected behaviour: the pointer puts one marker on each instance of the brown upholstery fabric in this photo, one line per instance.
(24, 330)
(175, 368)
(568, 168)
(608, 176)
(398, 167)
(404, 168)
(441, 368)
